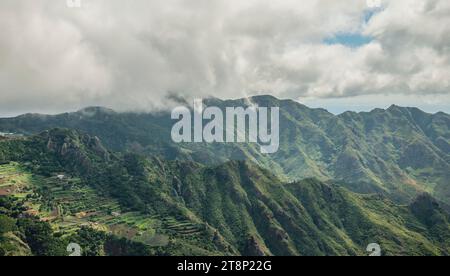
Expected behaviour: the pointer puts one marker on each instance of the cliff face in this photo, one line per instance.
(73, 149)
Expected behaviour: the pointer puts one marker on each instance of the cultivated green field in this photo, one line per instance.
(68, 205)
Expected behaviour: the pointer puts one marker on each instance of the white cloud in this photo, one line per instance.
(130, 55)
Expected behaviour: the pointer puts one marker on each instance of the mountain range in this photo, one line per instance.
(399, 152)
(337, 184)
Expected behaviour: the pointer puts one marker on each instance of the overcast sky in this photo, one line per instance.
(130, 55)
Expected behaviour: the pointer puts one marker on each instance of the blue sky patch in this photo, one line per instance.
(368, 14)
(353, 40)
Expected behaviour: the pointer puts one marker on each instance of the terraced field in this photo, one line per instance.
(68, 205)
(14, 180)
(184, 227)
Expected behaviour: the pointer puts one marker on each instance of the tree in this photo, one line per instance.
(39, 236)
(7, 224)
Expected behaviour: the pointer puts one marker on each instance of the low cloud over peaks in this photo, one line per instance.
(130, 55)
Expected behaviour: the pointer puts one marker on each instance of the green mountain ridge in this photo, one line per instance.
(233, 208)
(399, 152)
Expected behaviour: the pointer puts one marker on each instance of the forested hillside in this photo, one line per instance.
(72, 188)
(398, 152)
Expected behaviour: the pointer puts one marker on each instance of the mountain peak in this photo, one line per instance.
(264, 97)
(68, 142)
(95, 110)
(395, 107)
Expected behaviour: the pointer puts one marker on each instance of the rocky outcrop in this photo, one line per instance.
(74, 150)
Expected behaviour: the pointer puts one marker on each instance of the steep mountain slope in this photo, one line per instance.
(405, 145)
(399, 152)
(233, 208)
(306, 218)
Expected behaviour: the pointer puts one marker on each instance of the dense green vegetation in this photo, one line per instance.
(25, 236)
(61, 187)
(398, 152)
